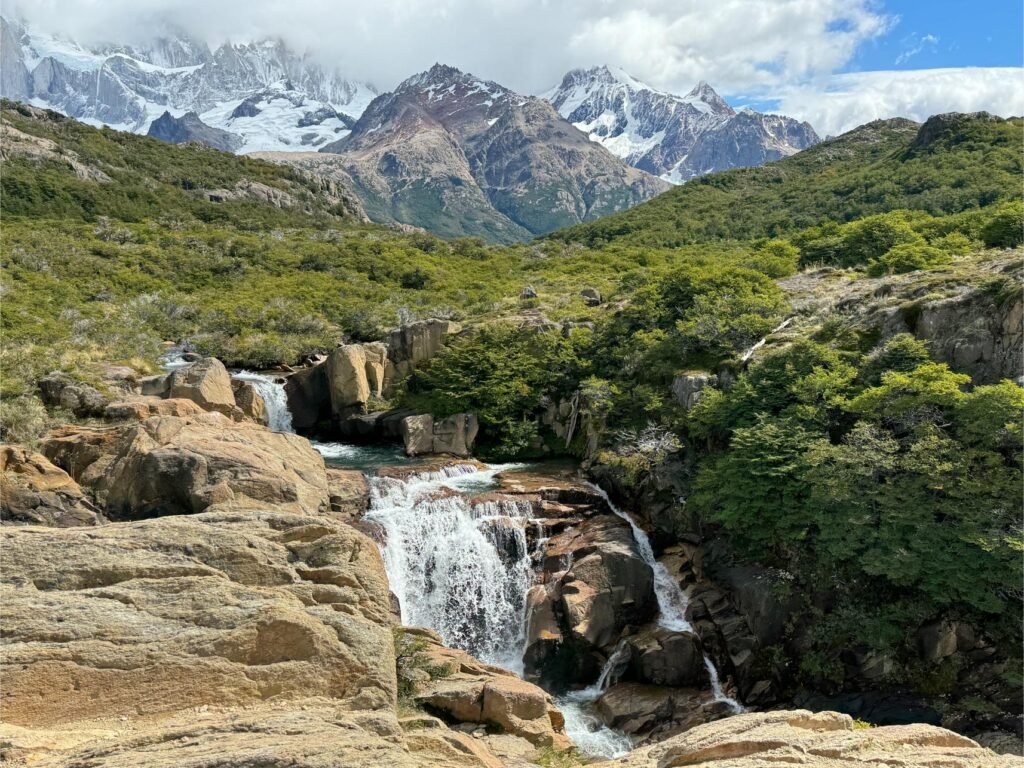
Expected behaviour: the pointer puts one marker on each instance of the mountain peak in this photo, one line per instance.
(705, 93)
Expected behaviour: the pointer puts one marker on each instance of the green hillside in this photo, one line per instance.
(950, 164)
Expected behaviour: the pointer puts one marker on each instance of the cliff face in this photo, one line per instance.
(970, 315)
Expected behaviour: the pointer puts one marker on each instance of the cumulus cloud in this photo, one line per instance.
(526, 44)
(848, 100)
(784, 51)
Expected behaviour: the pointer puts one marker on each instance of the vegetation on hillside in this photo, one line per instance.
(838, 459)
(950, 165)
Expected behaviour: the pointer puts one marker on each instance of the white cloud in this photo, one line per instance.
(915, 47)
(783, 51)
(526, 44)
(848, 100)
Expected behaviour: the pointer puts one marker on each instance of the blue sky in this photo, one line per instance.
(946, 33)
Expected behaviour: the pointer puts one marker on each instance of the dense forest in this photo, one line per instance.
(837, 454)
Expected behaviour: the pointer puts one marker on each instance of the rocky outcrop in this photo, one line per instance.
(465, 690)
(813, 739)
(687, 388)
(34, 491)
(349, 492)
(217, 609)
(189, 128)
(651, 712)
(59, 391)
(453, 435)
(973, 321)
(306, 733)
(182, 465)
(595, 585)
(412, 345)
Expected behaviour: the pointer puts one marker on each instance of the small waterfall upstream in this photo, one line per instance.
(672, 600)
(460, 567)
(279, 416)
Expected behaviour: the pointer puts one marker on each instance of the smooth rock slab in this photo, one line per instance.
(815, 740)
(224, 608)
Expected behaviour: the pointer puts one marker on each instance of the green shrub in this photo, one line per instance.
(907, 258)
(1006, 227)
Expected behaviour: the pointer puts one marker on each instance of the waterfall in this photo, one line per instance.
(279, 417)
(459, 568)
(672, 600)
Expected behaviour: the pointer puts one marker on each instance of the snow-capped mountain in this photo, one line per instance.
(265, 94)
(674, 137)
(463, 156)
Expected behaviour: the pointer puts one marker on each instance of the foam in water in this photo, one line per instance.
(672, 600)
(279, 416)
(591, 736)
(459, 568)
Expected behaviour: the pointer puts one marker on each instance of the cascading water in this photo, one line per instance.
(672, 600)
(279, 416)
(458, 567)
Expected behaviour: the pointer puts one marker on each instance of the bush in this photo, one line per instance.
(907, 258)
(1006, 227)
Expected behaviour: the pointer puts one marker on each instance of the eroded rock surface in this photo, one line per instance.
(32, 490)
(160, 615)
(817, 740)
(182, 465)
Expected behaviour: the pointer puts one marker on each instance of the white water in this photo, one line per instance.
(459, 568)
(591, 736)
(672, 600)
(279, 417)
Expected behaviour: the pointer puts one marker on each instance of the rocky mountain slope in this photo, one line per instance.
(464, 156)
(267, 95)
(674, 137)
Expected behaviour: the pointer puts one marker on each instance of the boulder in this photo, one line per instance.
(414, 344)
(822, 739)
(59, 391)
(663, 657)
(226, 608)
(346, 379)
(418, 434)
(453, 435)
(182, 465)
(34, 491)
(937, 640)
(469, 691)
(249, 401)
(309, 398)
(687, 388)
(648, 711)
(207, 383)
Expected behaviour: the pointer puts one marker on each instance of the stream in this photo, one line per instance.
(462, 565)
